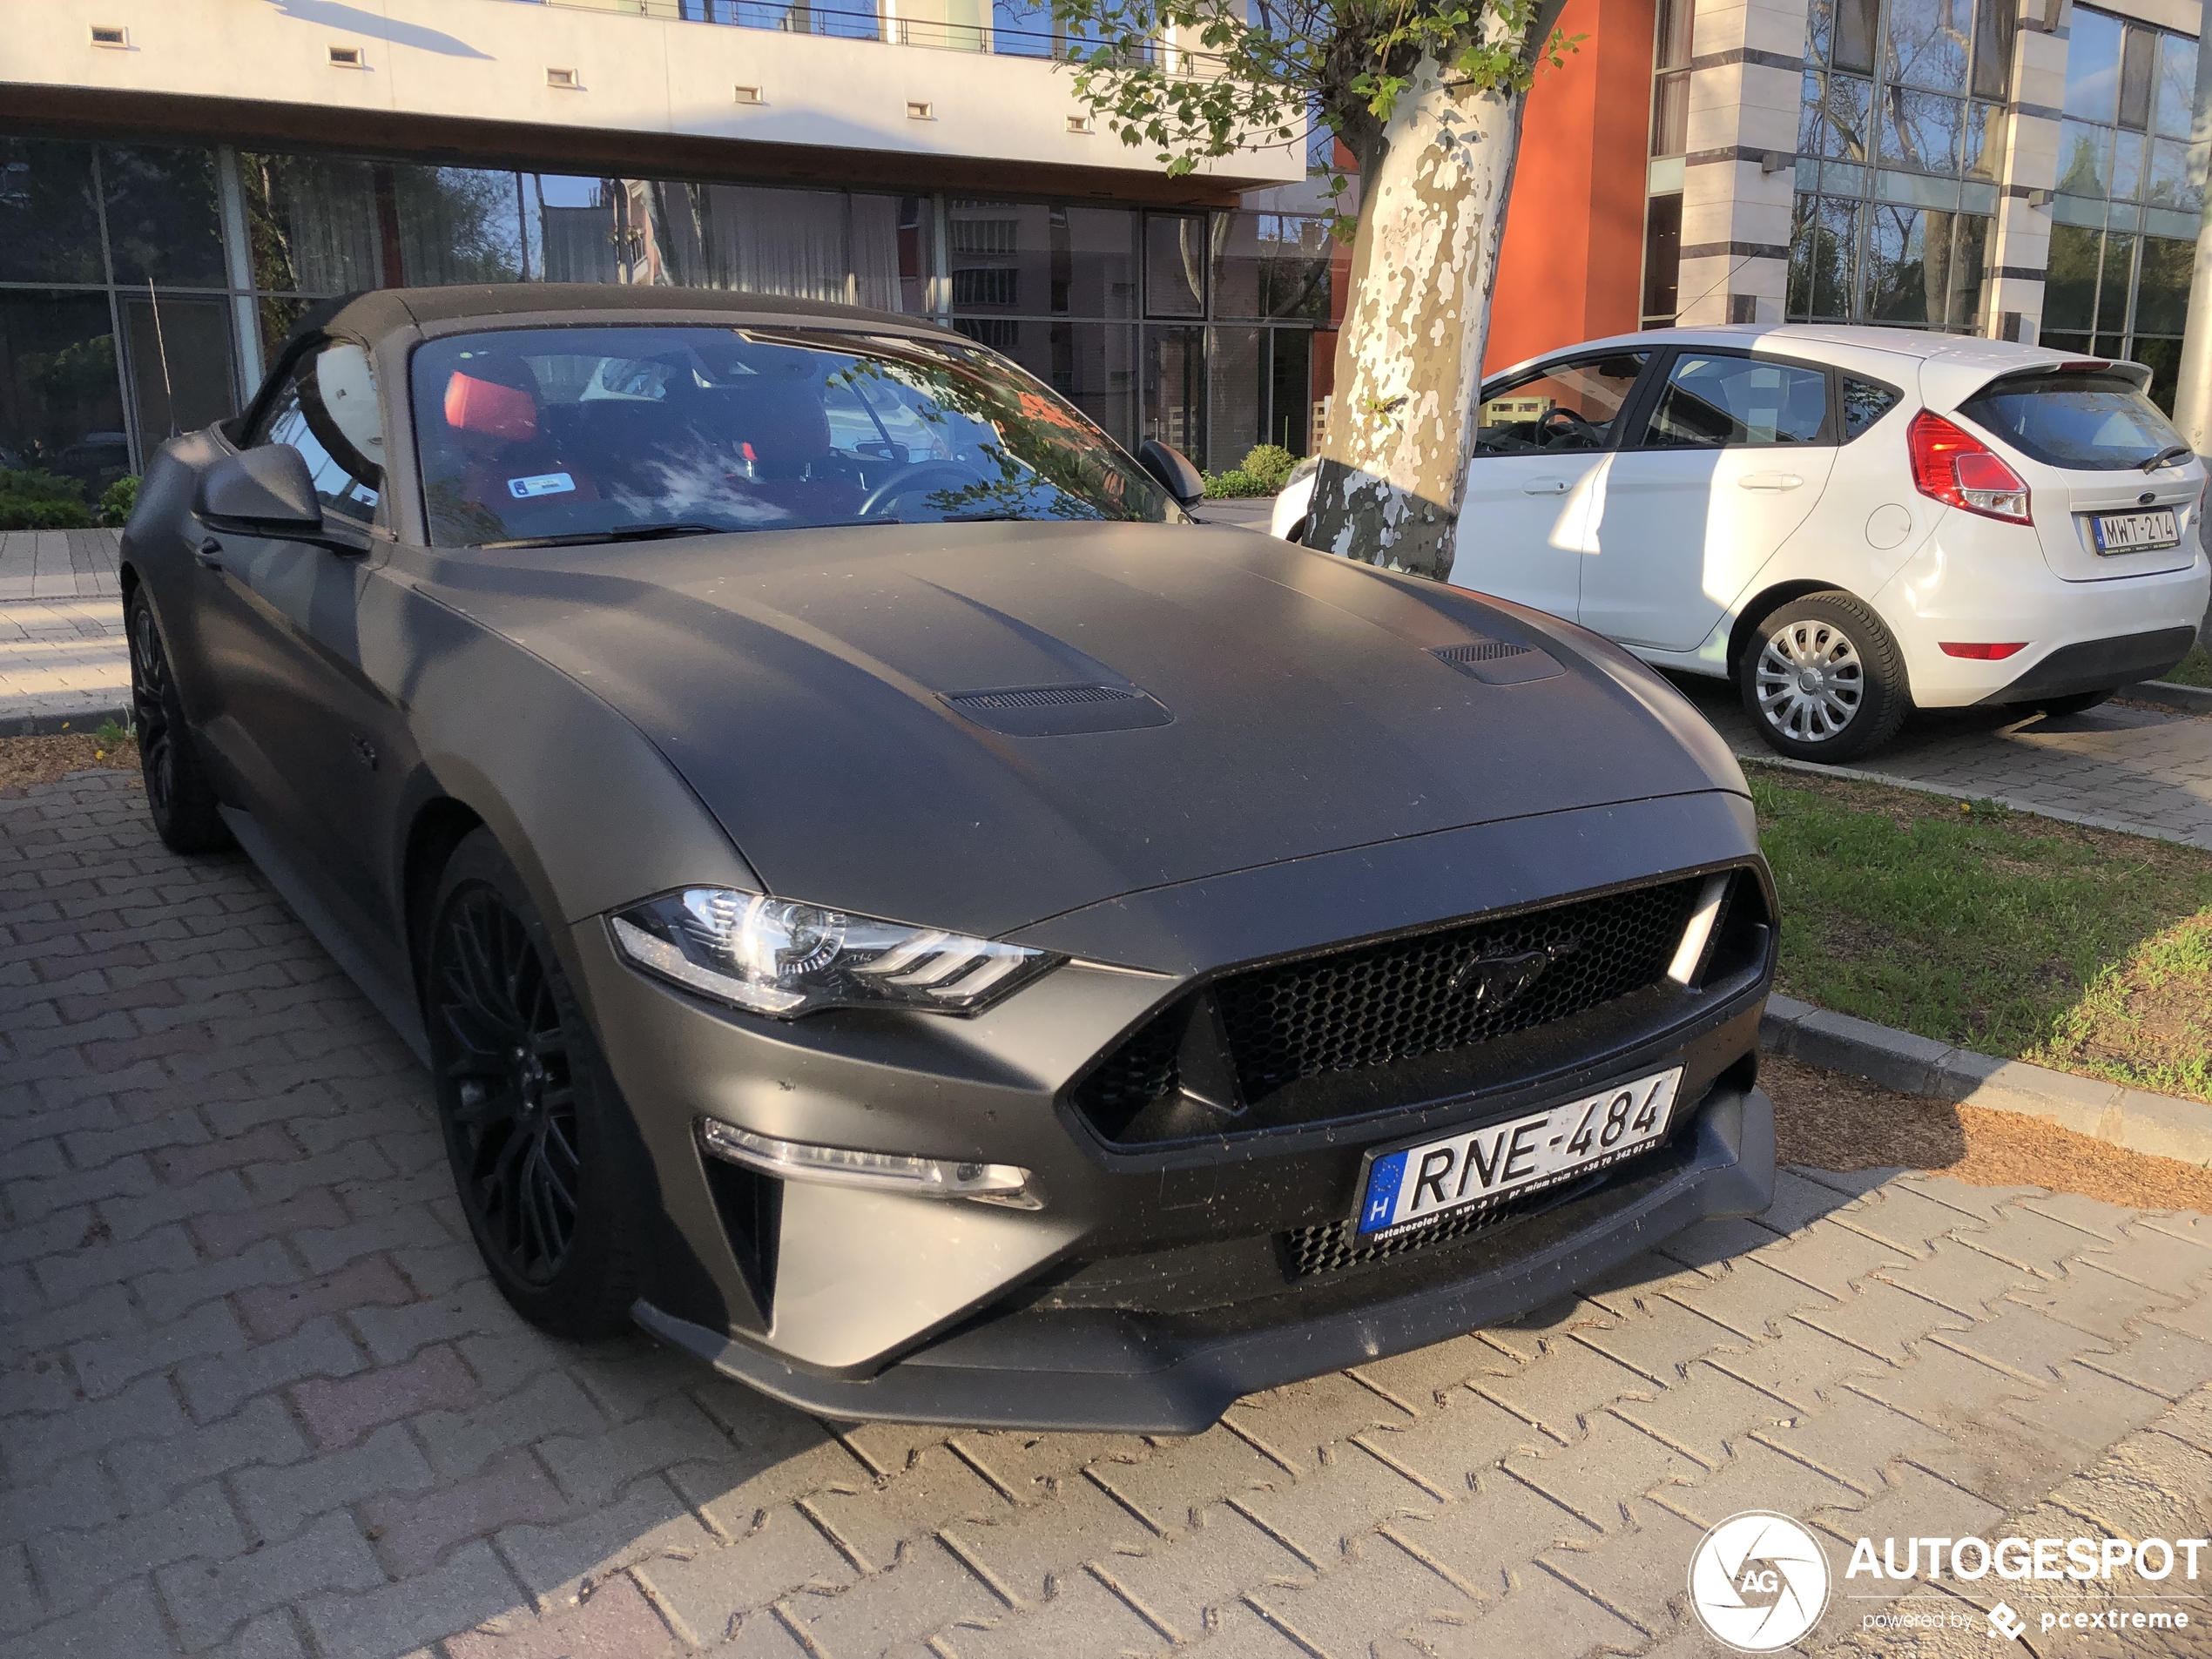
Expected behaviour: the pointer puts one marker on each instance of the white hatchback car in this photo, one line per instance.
(1850, 522)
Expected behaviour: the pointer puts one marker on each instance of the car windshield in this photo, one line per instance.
(573, 433)
(2089, 421)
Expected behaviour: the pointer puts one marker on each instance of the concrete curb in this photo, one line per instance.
(2186, 699)
(45, 725)
(2133, 1119)
(1924, 786)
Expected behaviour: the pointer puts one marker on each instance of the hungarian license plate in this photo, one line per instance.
(2133, 532)
(1412, 1187)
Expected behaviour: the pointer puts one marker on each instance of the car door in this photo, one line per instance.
(299, 720)
(1539, 454)
(1728, 462)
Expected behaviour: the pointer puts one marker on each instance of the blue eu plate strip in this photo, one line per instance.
(1382, 1192)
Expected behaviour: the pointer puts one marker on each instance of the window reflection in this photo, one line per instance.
(49, 229)
(61, 409)
(162, 220)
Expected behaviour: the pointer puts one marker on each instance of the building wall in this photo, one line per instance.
(490, 66)
(1570, 267)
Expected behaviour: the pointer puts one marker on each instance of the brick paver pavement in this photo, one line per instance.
(2118, 765)
(259, 1400)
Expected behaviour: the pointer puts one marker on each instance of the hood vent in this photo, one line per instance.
(1500, 662)
(1058, 711)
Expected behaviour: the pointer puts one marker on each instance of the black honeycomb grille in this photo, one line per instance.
(1402, 998)
(1366, 1008)
(1333, 1246)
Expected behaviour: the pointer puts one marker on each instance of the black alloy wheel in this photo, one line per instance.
(180, 795)
(543, 1156)
(516, 1106)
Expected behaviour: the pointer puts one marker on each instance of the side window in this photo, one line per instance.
(327, 411)
(1562, 405)
(1715, 402)
(1865, 402)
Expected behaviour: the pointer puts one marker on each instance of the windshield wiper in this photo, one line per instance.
(623, 533)
(982, 518)
(2171, 452)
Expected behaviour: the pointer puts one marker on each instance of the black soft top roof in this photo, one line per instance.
(370, 316)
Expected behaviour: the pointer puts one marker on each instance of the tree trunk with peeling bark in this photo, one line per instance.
(1409, 360)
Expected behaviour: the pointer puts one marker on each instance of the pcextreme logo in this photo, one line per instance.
(1758, 1581)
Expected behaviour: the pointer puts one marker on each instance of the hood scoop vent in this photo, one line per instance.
(1500, 662)
(1058, 711)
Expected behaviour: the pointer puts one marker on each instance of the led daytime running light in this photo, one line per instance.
(781, 957)
(837, 1166)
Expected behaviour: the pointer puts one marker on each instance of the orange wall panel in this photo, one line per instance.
(1571, 268)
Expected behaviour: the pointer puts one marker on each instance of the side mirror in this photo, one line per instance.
(265, 491)
(1174, 471)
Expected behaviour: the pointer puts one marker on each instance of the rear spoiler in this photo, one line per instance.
(1948, 381)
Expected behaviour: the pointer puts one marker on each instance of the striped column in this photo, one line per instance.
(1746, 85)
(2019, 251)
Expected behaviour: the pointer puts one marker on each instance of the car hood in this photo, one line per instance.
(1260, 703)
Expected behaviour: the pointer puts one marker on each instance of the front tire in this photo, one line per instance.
(544, 1156)
(180, 794)
(1822, 679)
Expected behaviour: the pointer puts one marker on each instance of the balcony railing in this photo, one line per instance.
(1000, 37)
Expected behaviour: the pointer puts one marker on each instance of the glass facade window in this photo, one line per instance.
(2124, 171)
(1194, 326)
(1662, 259)
(1897, 169)
(61, 406)
(1671, 52)
(49, 218)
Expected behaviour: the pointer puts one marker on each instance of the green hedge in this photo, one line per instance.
(42, 501)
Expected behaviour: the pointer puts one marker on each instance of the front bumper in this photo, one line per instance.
(831, 1294)
(1104, 1370)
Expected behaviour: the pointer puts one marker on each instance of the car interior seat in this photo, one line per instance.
(492, 412)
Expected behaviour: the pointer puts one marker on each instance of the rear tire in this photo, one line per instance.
(545, 1159)
(180, 794)
(1822, 679)
(2057, 708)
(1296, 535)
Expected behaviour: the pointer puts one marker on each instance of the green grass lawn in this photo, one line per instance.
(2196, 669)
(2015, 936)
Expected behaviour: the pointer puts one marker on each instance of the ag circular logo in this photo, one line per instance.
(1758, 1581)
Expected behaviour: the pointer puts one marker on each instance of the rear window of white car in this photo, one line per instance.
(2087, 422)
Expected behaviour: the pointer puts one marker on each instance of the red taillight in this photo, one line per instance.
(1982, 653)
(1952, 466)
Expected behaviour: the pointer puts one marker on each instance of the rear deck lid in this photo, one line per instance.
(2104, 467)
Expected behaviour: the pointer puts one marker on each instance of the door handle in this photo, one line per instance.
(1544, 487)
(210, 554)
(1774, 481)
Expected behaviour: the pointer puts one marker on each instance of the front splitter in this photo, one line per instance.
(1090, 1373)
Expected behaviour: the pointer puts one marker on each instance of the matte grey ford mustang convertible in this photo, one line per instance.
(894, 906)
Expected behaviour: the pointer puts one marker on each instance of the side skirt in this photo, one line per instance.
(390, 997)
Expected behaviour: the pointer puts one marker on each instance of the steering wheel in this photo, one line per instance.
(896, 485)
(1558, 426)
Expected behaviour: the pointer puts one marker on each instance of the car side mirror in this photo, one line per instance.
(265, 491)
(1174, 471)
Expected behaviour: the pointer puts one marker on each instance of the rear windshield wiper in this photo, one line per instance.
(621, 533)
(2171, 452)
(983, 518)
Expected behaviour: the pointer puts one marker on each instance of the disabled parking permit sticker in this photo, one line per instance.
(545, 483)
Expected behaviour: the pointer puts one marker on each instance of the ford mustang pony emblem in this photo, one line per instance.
(1500, 978)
